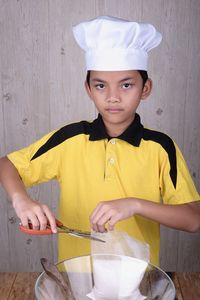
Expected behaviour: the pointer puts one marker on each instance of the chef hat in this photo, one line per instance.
(113, 44)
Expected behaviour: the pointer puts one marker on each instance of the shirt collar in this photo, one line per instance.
(132, 134)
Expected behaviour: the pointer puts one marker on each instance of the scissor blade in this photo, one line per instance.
(80, 233)
(87, 236)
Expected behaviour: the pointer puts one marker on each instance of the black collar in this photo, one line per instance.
(132, 134)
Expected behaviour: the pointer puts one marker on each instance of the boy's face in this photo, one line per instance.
(116, 95)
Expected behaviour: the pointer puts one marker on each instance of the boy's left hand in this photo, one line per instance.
(184, 217)
(110, 212)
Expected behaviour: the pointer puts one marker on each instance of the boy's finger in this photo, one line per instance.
(94, 227)
(113, 220)
(42, 220)
(24, 221)
(98, 226)
(101, 210)
(32, 218)
(96, 211)
(103, 220)
(101, 228)
(51, 219)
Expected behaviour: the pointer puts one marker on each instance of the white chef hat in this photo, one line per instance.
(113, 44)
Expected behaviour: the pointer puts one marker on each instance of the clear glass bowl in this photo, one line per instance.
(155, 285)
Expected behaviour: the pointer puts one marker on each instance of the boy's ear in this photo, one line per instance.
(147, 89)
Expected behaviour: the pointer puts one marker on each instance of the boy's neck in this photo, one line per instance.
(115, 130)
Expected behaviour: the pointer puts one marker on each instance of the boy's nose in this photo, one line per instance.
(113, 94)
(113, 99)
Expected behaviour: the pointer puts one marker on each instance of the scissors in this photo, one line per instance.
(61, 229)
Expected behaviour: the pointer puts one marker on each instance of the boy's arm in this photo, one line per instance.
(183, 216)
(26, 208)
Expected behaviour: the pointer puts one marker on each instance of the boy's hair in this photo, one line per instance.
(143, 74)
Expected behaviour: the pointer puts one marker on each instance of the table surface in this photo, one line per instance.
(20, 286)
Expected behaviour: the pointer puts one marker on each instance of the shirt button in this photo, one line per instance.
(112, 161)
(113, 141)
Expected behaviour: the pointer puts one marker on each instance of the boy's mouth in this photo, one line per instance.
(113, 110)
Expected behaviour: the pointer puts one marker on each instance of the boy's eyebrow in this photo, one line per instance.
(104, 81)
(98, 80)
(126, 79)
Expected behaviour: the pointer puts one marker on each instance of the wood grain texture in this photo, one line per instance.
(6, 284)
(17, 286)
(23, 287)
(177, 287)
(187, 286)
(41, 79)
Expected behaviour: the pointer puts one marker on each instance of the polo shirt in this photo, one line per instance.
(91, 166)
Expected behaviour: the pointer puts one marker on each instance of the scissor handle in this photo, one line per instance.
(32, 231)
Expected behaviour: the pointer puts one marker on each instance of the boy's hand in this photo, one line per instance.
(180, 216)
(110, 212)
(26, 209)
(32, 211)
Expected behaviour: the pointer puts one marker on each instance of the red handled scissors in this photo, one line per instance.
(61, 229)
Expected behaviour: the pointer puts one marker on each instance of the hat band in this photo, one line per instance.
(116, 59)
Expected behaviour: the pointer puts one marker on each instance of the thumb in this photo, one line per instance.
(111, 223)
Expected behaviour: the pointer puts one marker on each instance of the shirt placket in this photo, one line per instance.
(111, 159)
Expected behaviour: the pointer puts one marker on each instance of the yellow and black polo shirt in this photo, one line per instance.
(90, 167)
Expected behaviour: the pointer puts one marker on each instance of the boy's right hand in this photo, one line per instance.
(31, 211)
(27, 210)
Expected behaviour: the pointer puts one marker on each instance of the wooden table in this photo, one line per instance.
(187, 285)
(20, 286)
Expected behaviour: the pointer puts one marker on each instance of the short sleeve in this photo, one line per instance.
(182, 189)
(40, 169)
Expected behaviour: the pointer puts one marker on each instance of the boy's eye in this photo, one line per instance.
(126, 85)
(100, 86)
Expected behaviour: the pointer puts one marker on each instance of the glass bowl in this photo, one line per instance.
(155, 283)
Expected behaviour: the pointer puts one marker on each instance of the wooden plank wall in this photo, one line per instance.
(41, 88)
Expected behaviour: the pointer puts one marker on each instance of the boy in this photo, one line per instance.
(112, 169)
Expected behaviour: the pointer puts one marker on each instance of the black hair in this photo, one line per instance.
(143, 74)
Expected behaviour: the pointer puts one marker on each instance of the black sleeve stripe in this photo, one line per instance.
(63, 134)
(166, 142)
